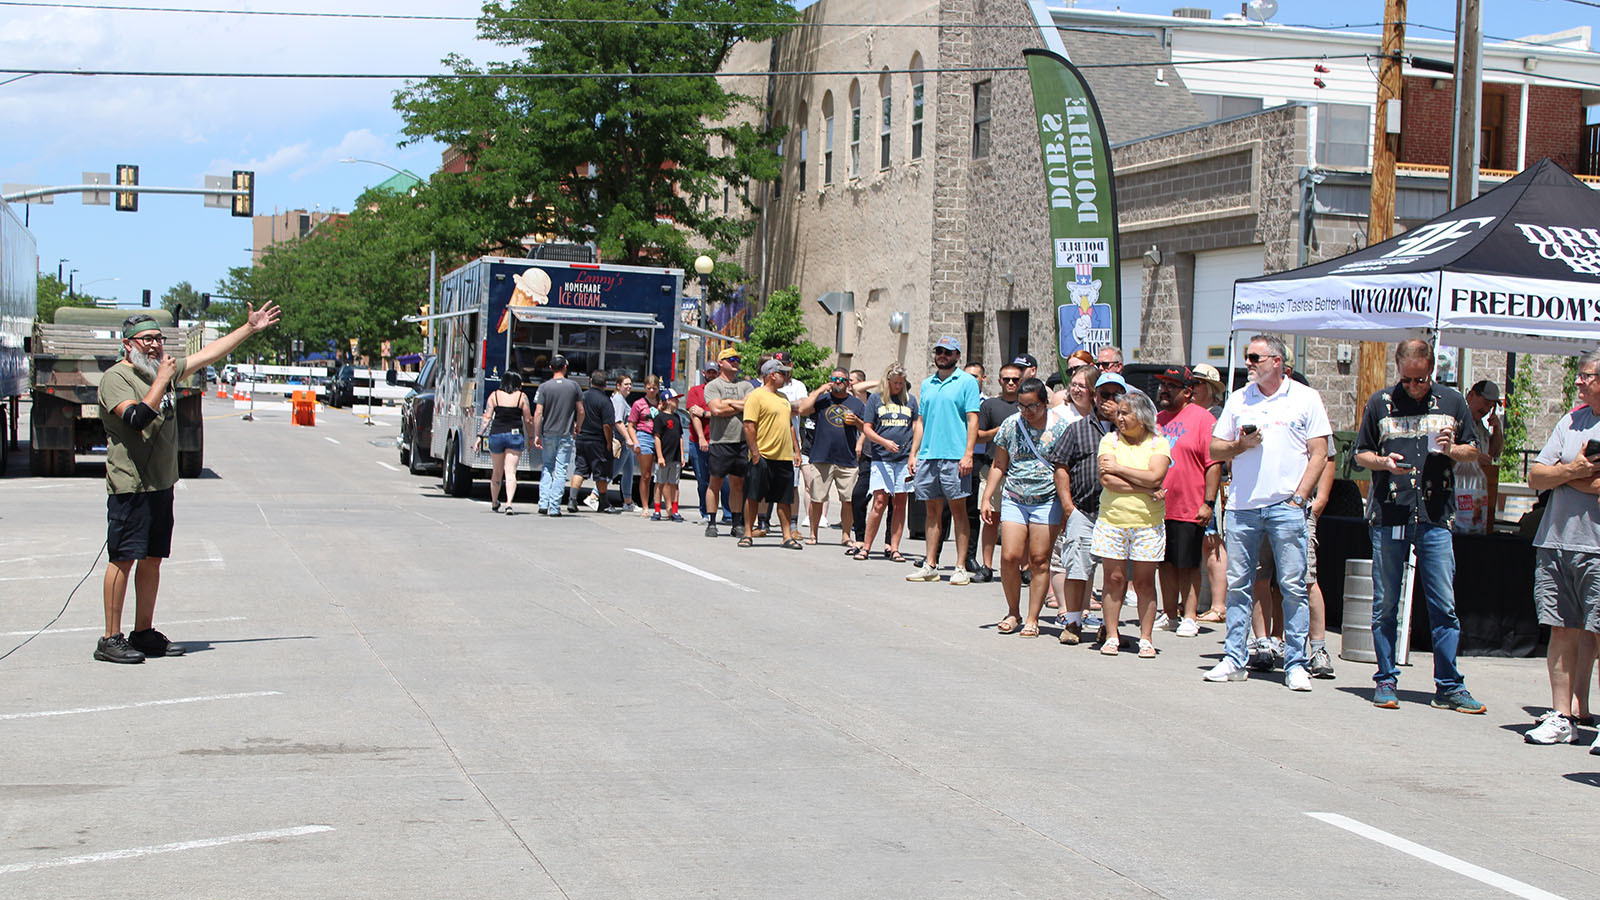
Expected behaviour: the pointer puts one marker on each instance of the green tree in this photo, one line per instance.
(352, 278)
(780, 326)
(183, 294)
(623, 157)
(52, 294)
(1522, 404)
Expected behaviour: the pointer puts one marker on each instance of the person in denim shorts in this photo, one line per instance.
(507, 420)
(942, 456)
(1029, 510)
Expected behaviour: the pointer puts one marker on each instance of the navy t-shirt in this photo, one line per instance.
(834, 442)
(597, 414)
(892, 421)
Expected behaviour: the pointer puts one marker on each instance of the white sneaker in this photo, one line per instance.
(1553, 728)
(1188, 628)
(1226, 670)
(1296, 679)
(1163, 622)
(926, 573)
(960, 576)
(1594, 748)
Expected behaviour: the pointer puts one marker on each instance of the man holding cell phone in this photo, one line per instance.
(1412, 435)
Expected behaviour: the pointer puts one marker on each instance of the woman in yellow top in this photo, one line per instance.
(1133, 462)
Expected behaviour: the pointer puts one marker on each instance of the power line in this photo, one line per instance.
(630, 76)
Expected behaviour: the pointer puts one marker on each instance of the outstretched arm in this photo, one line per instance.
(255, 320)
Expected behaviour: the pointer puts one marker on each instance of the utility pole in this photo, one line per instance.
(1468, 102)
(1385, 147)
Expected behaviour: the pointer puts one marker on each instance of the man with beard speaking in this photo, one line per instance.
(141, 423)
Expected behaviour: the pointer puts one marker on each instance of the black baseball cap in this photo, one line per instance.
(1026, 361)
(1180, 375)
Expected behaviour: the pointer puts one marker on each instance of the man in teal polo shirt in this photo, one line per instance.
(941, 455)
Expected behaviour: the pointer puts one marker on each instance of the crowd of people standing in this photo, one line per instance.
(1063, 476)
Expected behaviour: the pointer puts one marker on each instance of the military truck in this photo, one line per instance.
(69, 356)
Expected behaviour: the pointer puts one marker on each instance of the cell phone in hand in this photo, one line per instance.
(1404, 467)
(1592, 450)
(1248, 429)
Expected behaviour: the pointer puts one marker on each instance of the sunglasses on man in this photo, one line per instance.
(1258, 357)
(1103, 366)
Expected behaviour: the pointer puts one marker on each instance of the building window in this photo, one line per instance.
(974, 343)
(982, 92)
(827, 138)
(885, 93)
(916, 115)
(1220, 106)
(1342, 133)
(777, 183)
(805, 120)
(726, 192)
(855, 129)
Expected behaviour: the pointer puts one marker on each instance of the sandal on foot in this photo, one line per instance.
(1007, 625)
(1031, 629)
(859, 555)
(747, 541)
(1111, 646)
(1147, 650)
(793, 544)
(1211, 617)
(894, 556)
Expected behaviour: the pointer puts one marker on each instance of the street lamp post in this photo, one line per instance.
(373, 162)
(703, 266)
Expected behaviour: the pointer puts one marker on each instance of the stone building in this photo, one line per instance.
(913, 194)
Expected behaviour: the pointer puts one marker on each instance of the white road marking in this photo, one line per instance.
(6, 717)
(691, 569)
(164, 623)
(329, 439)
(386, 465)
(1442, 860)
(213, 555)
(133, 852)
(38, 577)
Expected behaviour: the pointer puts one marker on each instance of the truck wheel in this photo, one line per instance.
(39, 462)
(5, 444)
(457, 477)
(191, 463)
(405, 453)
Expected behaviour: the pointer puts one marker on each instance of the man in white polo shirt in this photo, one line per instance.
(1275, 432)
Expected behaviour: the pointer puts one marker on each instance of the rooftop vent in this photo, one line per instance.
(1192, 12)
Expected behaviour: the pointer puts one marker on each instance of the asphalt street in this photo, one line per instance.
(394, 692)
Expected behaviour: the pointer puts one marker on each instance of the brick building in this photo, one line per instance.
(912, 179)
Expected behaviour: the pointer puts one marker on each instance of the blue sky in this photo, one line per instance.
(293, 132)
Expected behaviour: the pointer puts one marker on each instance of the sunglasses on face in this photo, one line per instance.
(1029, 407)
(1108, 395)
(1104, 365)
(943, 351)
(733, 359)
(1009, 380)
(1257, 357)
(1422, 381)
(838, 380)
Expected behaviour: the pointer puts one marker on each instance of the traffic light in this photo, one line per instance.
(127, 201)
(244, 207)
(146, 298)
(423, 325)
(205, 301)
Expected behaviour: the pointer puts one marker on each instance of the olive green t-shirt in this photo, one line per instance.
(138, 461)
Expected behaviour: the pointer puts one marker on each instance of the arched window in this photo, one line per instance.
(827, 137)
(916, 105)
(801, 150)
(886, 103)
(855, 128)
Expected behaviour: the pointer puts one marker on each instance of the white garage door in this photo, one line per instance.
(1132, 296)
(1214, 274)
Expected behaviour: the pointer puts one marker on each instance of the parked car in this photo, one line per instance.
(416, 421)
(211, 375)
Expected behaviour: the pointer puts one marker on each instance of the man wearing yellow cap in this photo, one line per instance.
(141, 424)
